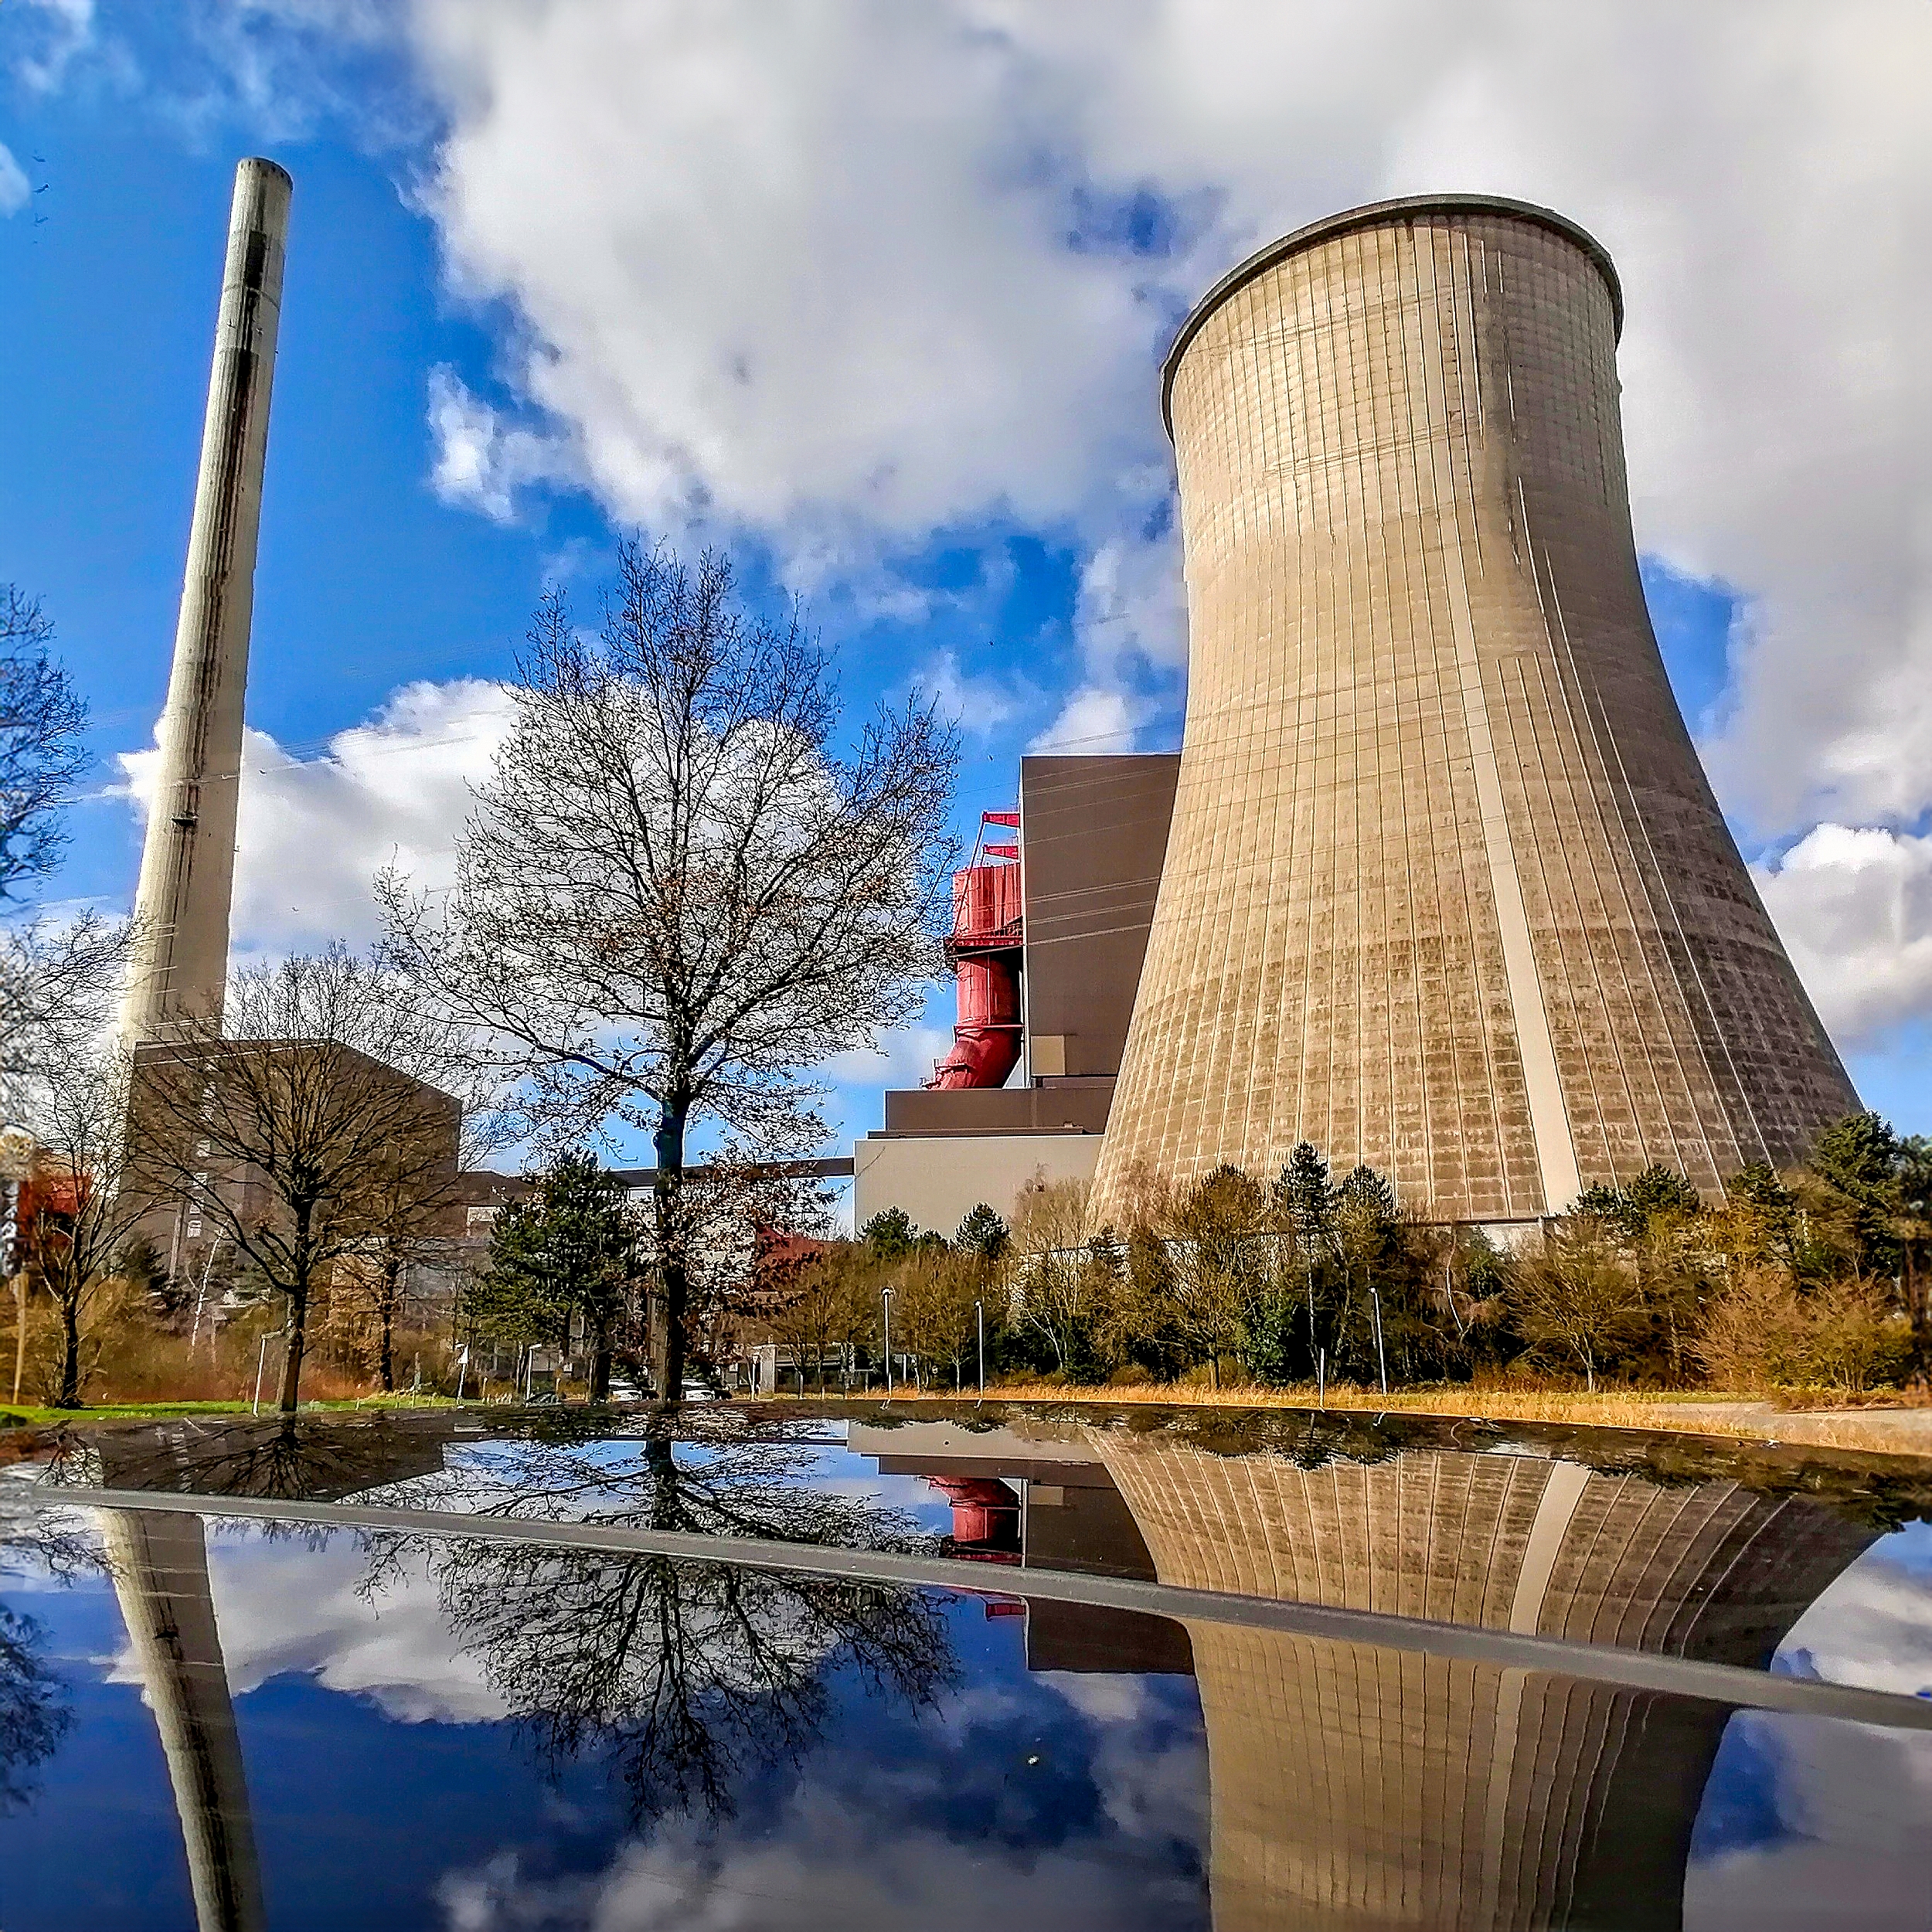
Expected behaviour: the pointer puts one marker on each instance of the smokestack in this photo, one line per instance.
(188, 865)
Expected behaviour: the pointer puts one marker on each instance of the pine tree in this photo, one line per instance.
(571, 1248)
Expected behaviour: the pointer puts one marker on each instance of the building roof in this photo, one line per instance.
(1373, 215)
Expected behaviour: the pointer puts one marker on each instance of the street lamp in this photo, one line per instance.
(888, 1298)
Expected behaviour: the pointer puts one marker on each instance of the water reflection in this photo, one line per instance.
(160, 1568)
(34, 1711)
(679, 1676)
(1348, 1785)
(1356, 1786)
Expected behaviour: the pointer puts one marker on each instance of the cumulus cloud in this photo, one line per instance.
(853, 268)
(905, 1057)
(481, 459)
(315, 830)
(979, 706)
(294, 1605)
(823, 1865)
(1854, 905)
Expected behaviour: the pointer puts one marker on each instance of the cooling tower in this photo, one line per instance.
(1446, 889)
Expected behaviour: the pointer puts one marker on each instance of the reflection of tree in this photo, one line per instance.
(34, 1715)
(683, 1676)
(290, 1458)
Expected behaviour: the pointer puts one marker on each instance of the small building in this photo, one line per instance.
(1049, 928)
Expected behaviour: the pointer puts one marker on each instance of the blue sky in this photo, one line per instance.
(940, 258)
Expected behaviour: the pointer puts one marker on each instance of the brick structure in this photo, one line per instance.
(1447, 890)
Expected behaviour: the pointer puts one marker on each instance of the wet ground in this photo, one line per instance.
(1017, 1667)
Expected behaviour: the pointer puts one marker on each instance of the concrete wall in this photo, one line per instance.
(940, 1180)
(1446, 889)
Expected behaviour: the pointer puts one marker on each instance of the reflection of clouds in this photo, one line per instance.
(1835, 1815)
(1873, 1626)
(826, 1866)
(292, 1605)
(1151, 1770)
(1807, 1821)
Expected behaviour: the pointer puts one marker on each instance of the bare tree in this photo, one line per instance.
(42, 718)
(84, 1216)
(827, 1305)
(1575, 1295)
(675, 893)
(57, 978)
(294, 1131)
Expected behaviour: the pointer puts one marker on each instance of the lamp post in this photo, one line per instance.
(979, 1317)
(886, 1295)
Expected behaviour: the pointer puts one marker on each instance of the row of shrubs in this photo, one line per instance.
(1806, 1279)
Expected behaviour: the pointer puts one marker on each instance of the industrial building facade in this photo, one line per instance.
(1050, 924)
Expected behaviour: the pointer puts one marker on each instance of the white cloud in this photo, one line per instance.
(800, 267)
(906, 1057)
(1095, 719)
(808, 269)
(289, 1605)
(979, 706)
(315, 831)
(1854, 906)
(480, 460)
(822, 1865)
(53, 35)
(15, 193)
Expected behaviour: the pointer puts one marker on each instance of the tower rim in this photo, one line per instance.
(1376, 214)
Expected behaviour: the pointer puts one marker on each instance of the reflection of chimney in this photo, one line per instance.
(188, 863)
(160, 1566)
(1356, 1788)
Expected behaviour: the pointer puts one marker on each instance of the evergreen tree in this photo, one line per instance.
(570, 1249)
(982, 1233)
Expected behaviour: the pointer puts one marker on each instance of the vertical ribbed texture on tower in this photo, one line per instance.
(1447, 890)
(1355, 1789)
(188, 863)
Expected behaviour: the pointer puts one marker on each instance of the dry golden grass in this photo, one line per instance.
(1700, 1411)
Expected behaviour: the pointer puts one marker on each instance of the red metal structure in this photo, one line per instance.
(985, 949)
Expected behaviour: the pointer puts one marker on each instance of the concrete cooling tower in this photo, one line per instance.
(1447, 890)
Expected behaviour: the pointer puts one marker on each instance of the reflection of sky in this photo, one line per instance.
(1807, 1822)
(386, 1789)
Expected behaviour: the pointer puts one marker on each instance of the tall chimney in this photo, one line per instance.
(188, 865)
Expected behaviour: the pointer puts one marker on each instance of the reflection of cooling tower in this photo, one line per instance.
(1447, 890)
(1353, 1787)
(160, 1566)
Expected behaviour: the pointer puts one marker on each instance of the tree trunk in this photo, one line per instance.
(297, 1330)
(389, 1271)
(600, 1389)
(668, 1317)
(69, 1395)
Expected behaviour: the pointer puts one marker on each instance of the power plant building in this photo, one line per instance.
(1050, 923)
(1444, 889)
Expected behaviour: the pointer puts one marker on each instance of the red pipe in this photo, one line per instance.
(986, 949)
